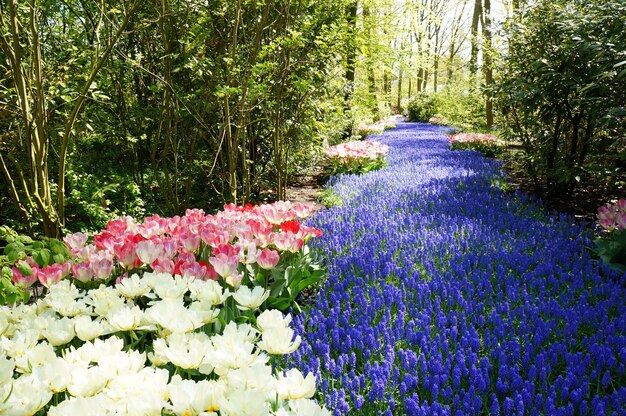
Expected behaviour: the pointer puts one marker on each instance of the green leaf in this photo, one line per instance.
(58, 258)
(24, 268)
(42, 257)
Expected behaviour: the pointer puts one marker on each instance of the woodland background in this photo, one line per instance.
(132, 107)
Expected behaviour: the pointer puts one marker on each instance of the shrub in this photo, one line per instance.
(421, 107)
(562, 89)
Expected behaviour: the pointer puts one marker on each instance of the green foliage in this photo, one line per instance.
(611, 248)
(94, 200)
(210, 105)
(329, 198)
(421, 107)
(337, 166)
(11, 293)
(462, 104)
(18, 247)
(563, 89)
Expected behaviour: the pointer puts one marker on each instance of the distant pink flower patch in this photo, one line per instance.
(357, 150)
(473, 138)
(613, 216)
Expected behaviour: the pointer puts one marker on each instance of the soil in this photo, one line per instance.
(306, 188)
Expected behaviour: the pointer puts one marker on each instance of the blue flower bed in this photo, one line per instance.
(447, 296)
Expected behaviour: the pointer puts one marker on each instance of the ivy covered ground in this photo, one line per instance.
(447, 295)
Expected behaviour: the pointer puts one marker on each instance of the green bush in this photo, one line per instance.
(462, 104)
(562, 90)
(421, 107)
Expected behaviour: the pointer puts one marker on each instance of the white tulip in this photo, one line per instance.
(86, 381)
(244, 403)
(7, 365)
(188, 397)
(104, 299)
(133, 287)
(87, 329)
(278, 340)
(250, 299)
(140, 393)
(292, 385)
(125, 318)
(55, 373)
(307, 407)
(272, 318)
(257, 377)
(28, 396)
(175, 287)
(79, 406)
(172, 315)
(205, 312)
(121, 363)
(208, 292)
(59, 331)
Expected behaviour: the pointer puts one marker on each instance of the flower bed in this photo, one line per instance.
(446, 296)
(175, 316)
(145, 346)
(252, 244)
(484, 143)
(355, 157)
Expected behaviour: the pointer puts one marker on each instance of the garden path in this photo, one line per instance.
(447, 295)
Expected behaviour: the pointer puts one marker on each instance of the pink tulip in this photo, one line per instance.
(620, 220)
(170, 247)
(227, 249)
(190, 242)
(150, 229)
(82, 271)
(607, 217)
(75, 242)
(106, 240)
(302, 210)
(195, 214)
(224, 265)
(273, 214)
(119, 226)
(163, 265)
(309, 232)
(234, 279)
(125, 254)
(102, 266)
(195, 269)
(28, 281)
(66, 268)
(268, 259)
(219, 238)
(287, 242)
(248, 251)
(148, 251)
(50, 274)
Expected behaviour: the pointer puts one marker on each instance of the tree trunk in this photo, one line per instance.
(476, 18)
(351, 20)
(399, 104)
(488, 60)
